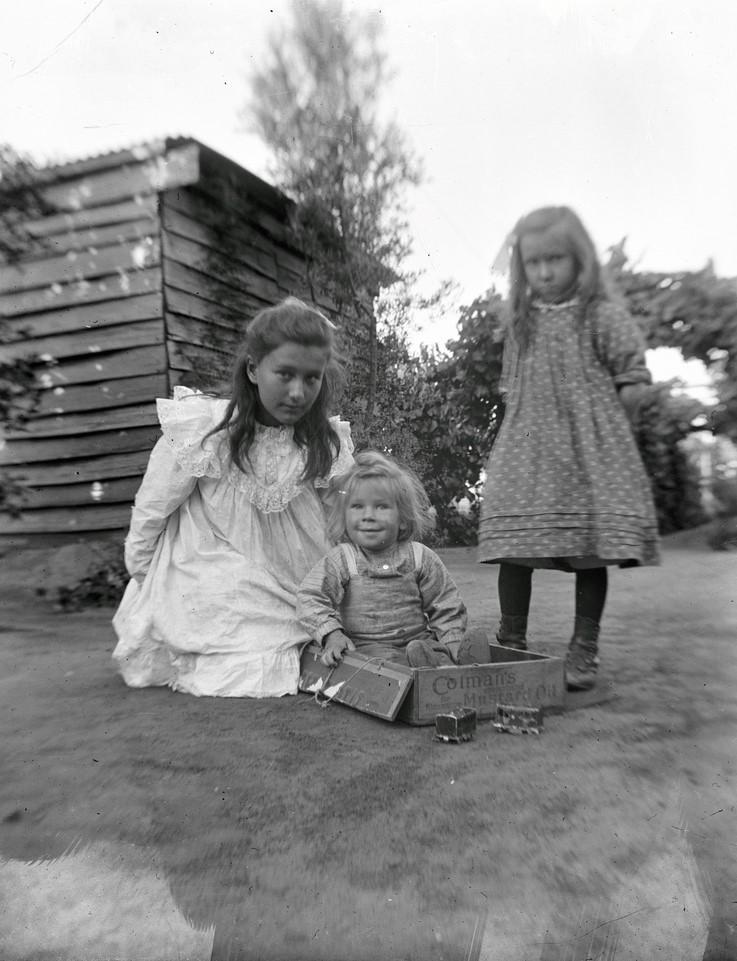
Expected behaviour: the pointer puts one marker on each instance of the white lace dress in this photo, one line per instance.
(223, 553)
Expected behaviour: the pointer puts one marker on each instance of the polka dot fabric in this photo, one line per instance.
(565, 483)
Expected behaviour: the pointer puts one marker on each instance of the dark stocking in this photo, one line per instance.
(591, 588)
(515, 588)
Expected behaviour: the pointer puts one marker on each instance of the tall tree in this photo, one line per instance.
(695, 311)
(315, 101)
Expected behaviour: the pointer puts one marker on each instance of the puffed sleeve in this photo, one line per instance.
(620, 345)
(180, 456)
(510, 364)
(344, 459)
(441, 600)
(320, 595)
(164, 487)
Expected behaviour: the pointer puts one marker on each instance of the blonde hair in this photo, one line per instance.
(416, 516)
(589, 285)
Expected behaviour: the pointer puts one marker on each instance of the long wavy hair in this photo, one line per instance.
(290, 321)
(416, 517)
(589, 284)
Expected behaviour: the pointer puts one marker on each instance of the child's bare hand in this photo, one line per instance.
(336, 644)
(632, 397)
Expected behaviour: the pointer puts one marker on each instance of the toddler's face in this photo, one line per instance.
(550, 267)
(288, 381)
(371, 516)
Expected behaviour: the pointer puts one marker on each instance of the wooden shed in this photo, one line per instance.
(143, 278)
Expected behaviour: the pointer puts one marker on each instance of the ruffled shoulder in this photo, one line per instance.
(344, 459)
(185, 421)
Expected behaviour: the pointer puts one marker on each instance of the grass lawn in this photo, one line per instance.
(143, 824)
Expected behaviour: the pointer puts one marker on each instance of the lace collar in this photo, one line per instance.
(544, 305)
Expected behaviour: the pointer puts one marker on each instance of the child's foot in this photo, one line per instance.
(581, 666)
(425, 654)
(512, 632)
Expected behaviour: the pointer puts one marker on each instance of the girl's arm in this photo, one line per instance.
(320, 595)
(442, 603)
(510, 359)
(620, 345)
(164, 487)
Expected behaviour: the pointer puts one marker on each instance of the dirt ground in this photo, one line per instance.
(143, 824)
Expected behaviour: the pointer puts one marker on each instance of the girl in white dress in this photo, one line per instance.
(229, 518)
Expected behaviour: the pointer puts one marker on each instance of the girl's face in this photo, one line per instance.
(550, 267)
(371, 516)
(288, 381)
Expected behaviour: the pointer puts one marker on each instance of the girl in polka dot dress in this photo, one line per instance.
(565, 485)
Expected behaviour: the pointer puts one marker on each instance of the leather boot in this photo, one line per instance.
(513, 631)
(582, 659)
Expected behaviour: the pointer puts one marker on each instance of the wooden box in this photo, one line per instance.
(372, 685)
(511, 677)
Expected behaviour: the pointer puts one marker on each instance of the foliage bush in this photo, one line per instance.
(102, 586)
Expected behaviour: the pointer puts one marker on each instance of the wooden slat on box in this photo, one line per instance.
(84, 445)
(95, 518)
(142, 207)
(90, 342)
(224, 268)
(86, 316)
(103, 395)
(93, 238)
(180, 166)
(115, 365)
(198, 207)
(369, 685)
(218, 242)
(190, 305)
(210, 360)
(212, 290)
(129, 464)
(117, 285)
(85, 422)
(519, 678)
(204, 334)
(118, 491)
(123, 257)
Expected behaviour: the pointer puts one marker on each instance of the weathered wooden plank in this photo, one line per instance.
(208, 362)
(110, 366)
(241, 192)
(222, 242)
(85, 445)
(127, 464)
(149, 150)
(202, 333)
(57, 425)
(115, 491)
(218, 385)
(140, 208)
(200, 207)
(74, 267)
(101, 517)
(514, 677)
(190, 305)
(55, 296)
(177, 167)
(93, 238)
(368, 684)
(76, 343)
(189, 280)
(230, 271)
(103, 396)
(90, 316)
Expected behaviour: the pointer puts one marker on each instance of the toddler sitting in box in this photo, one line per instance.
(380, 592)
